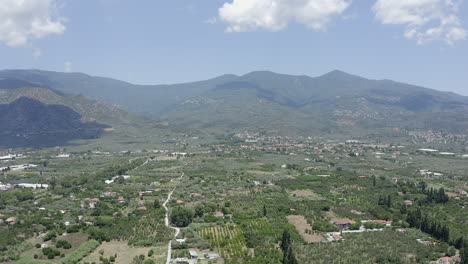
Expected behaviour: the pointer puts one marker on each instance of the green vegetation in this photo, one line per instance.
(275, 200)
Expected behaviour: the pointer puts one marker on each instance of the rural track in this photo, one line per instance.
(166, 221)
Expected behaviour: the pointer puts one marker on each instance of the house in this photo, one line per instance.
(344, 223)
(181, 260)
(394, 180)
(426, 243)
(142, 208)
(219, 214)
(445, 260)
(32, 185)
(44, 245)
(11, 220)
(181, 240)
(335, 236)
(179, 202)
(408, 202)
(5, 187)
(193, 254)
(211, 255)
(178, 154)
(121, 199)
(384, 222)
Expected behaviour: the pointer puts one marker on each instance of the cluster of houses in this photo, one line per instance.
(22, 184)
(195, 256)
(112, 180)
(18, 167)
(11, 156)
(430, 174)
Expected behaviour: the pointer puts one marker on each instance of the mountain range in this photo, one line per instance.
(334, 103)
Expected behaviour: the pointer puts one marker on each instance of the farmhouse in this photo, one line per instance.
(212, 255)
(193, 254)
(5, 187)
(11, 220)
(142, 208)
(33, 185)
(408, 202)
(219, 214)
(344, 223)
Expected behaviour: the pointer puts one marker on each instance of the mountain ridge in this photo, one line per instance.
(333, 102)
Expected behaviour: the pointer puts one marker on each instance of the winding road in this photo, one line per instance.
(166, 221)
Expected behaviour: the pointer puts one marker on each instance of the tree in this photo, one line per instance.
(264, 210)
(464, 254)
(181, 216)
(373, 180)
(403, 209)
(199, 210)
(285, 241)
(289, 257)
(156, 204)
(389, 201)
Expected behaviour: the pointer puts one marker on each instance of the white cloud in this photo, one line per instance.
(37, 53)
(22, 20)
(68, 66)
(274, 15)
(425, 20)
(212, 20)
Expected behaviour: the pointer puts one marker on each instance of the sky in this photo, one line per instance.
(422, 42)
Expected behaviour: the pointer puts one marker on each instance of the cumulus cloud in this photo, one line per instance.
(22, 20)
(425, 20)
(274, 15)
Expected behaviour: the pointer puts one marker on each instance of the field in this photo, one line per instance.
(367, 248)
(125, 253)
(241, 201)
(303, 228)
(227, 239)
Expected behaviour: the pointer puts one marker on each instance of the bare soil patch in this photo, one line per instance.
(305, 194)
(301, 225)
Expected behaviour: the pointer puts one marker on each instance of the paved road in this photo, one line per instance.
(166, 221)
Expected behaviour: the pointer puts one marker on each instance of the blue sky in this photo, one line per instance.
(151, 42)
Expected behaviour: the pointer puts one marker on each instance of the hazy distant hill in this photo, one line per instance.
(33, 115)
(149, 100)
(336, 102)
(27, 122)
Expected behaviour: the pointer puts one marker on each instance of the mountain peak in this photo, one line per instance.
(339, 74)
